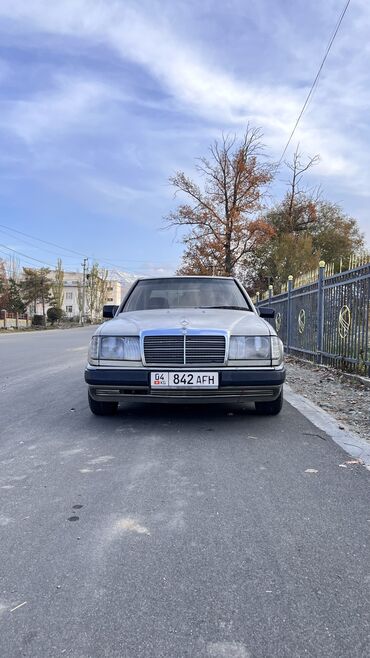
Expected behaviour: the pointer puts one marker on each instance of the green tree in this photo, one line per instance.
(15, 301)
(36, 287)
(335, 235)
(286, 254)
(332, 236)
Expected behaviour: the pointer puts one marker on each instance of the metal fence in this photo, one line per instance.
(327, 320)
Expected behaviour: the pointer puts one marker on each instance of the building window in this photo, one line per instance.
(69, 295)
(110, 299)
(69, 309)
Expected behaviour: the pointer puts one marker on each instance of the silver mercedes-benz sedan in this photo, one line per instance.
(186, 338)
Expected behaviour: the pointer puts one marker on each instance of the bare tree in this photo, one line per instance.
(57, 285)
(222, 214)
(80, 299)
(14, 266)
(3, 285)
(299, 204)
(97, 280)
(103, 288)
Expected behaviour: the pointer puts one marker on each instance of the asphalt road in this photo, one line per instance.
(169, 532)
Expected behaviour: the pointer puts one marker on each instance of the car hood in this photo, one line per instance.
(235, 322)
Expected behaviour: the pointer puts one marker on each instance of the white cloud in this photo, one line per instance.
(113, 191)
(331, 126)
(70, 103)
(211, 93)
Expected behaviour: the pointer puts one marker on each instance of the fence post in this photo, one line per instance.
(320, 310)
(3, 312)
(289, 312)
(17, 320)
(270, 293)
(257, 299)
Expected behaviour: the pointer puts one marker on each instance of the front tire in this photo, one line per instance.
(270, 408)
(102, 408)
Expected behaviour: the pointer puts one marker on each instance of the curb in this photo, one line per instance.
(351, 444)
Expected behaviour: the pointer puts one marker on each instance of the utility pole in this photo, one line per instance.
(83, 289)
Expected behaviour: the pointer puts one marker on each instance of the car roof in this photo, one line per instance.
(182, 276)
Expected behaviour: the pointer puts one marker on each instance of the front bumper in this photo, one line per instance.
(237, 384)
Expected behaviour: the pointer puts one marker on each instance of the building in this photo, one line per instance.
(72, 295)
(72, 300)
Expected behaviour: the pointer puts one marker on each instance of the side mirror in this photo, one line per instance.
(109, 311)
(266, 312)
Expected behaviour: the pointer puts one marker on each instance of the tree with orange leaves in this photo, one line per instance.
(222, 213)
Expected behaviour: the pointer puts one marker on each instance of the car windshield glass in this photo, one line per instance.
(173, 293)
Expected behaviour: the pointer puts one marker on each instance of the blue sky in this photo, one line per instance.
(101, 100)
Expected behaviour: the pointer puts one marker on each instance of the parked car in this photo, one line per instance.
(186, 339)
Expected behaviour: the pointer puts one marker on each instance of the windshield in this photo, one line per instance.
(186, 293)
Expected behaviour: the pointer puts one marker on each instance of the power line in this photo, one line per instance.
(37, 260)
(10, 271)
(25, 256)
(52, 244)
(55, 253)
(314, 84)
(42, 262)
(72, 251)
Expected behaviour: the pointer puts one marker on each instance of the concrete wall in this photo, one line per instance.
(13, 321)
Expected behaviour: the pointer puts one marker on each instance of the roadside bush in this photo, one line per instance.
(54, 314)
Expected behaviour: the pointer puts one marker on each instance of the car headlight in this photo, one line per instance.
(115, 347)
(277, 351)
(246, 348)
(124, 349)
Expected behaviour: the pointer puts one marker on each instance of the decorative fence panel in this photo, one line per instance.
(346, 333)
(327, 321)
(303, 331)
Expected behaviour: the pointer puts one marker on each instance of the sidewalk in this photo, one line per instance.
(347, 401)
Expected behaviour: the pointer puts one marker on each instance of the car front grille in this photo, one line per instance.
(184, 350)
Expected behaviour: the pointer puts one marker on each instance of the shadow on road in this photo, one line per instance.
(185, 415)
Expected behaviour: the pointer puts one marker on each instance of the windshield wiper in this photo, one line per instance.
(233, 308)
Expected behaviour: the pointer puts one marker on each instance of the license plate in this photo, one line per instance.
(184, 379)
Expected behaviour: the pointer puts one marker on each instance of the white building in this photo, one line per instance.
(72, 289)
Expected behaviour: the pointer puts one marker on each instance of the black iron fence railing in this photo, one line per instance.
(327, 320)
